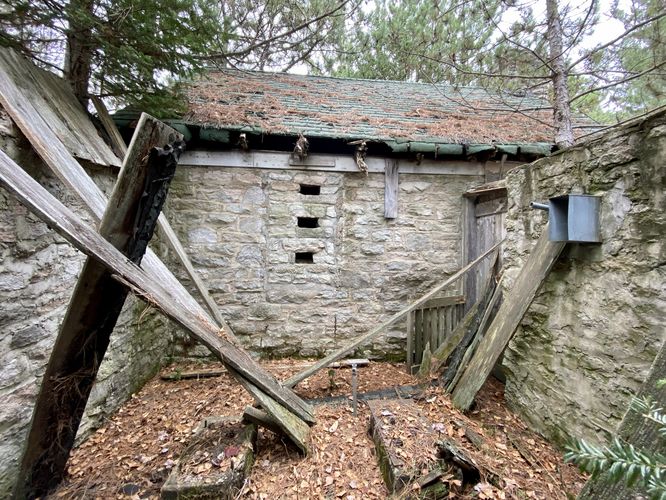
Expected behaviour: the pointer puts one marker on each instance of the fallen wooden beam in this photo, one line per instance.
(193, 319)
(359, 341)
(94, 308)
(454, 371)
(175, 376)
(509, 316)
(166, 231)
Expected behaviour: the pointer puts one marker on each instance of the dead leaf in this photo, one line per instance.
(334, 426)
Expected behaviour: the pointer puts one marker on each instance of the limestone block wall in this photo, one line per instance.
(38, 271)
(593, 331)
(241, 229)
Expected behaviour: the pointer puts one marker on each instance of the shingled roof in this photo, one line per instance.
(396, 113)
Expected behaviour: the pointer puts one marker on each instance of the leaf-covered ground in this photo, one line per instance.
(133, 453)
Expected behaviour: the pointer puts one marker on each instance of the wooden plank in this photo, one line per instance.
(117, 143)
(391, 183)
(170, 235)
(259, 417)
(196, 375)
(57, 106)
(445, 301)
(54, 153)
(325, 163)
(151, 289)
(166, 230)
(418, 336)
(466, 330)
(94, 308)
(511, 312)
(409, 358)
(390, 321)
(434, 329)
(290, 424)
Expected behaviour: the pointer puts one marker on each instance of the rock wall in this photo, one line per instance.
(38, 270)
(241, 229)
(589, 338)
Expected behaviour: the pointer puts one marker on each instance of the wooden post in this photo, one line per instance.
(391, 184)
(166, 231)
(511, 312)
(396, 317)
(84, 335)
(409, 360)
(146, 286)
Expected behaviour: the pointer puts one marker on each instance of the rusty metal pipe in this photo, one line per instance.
(539, 206)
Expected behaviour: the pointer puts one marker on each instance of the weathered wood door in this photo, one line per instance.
(485, 208)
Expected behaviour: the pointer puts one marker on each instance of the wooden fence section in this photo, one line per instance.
(431, 324)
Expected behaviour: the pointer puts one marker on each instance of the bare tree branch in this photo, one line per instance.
(615, 40)
(618, 82)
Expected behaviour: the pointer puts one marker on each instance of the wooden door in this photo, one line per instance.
(485, 208)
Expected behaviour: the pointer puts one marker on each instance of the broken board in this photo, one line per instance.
(510, 314)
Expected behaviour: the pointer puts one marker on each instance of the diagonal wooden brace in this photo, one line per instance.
(94, 308)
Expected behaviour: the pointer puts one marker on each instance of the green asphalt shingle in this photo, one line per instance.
(375, 110)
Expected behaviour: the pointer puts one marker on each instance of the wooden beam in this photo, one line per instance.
(56, 105)
(149, 288)
(56, 156)
(453, 372)
(117, 143)
(326, 163)
(359, 341)
(509, 316)
(391, 183)
(284, 420)
(166, 231)
(94, 308)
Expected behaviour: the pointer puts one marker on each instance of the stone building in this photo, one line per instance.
(305, 252)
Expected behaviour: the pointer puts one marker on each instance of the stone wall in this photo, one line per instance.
(240, 227)
(38, 270)
(593, 331)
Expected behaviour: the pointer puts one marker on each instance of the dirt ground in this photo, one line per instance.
(133, 453)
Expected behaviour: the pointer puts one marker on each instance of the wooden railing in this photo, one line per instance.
(431, 324)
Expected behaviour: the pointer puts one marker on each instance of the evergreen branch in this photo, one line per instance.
(279, 36)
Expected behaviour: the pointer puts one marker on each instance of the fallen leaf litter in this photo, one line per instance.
(133, 453)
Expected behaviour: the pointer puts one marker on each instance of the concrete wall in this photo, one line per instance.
(240, 227)
(593, 331)
(38, 270)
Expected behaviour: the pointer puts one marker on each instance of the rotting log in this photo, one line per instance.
(511, 312)
(638, 431)
(94, 308)
(193, 319)
(359, 341)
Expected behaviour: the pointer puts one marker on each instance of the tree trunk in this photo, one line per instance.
(78, 57)
(561, 106)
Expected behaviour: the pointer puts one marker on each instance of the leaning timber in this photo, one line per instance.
(95, 306)
(511, 312)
